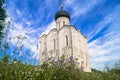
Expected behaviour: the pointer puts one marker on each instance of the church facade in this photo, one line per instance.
(66, 40)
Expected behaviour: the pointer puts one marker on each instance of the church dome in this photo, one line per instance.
(62, 13)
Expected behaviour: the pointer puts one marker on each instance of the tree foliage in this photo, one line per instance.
(2, 18)
(16, 70)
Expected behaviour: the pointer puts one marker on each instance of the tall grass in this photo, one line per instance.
(16, 70)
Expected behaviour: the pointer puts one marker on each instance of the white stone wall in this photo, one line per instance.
(63, 45)
(43, 48)
(80, 50)
(61, 21)
(65, 40)
(51, 39)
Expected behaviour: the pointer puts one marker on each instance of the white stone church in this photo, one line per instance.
(66, 40)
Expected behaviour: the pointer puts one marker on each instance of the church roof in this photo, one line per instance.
(62, 13)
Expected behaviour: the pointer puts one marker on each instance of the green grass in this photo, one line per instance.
(18, 71)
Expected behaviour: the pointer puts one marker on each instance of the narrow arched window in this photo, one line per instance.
(86, 63)
(59, 24)
(54, 43)
(63, 23)
(44, 46)
(66, 40)
(82, 65)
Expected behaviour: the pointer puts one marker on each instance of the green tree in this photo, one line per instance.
(2, 18)
(5, 58)
(4, 27)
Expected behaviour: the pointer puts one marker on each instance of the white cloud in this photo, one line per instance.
(8, 19)
(99, 49)
(104, 49)
(68, 2)
(49, 27)
(108, 19)
(80, 7)
(19, 14)
(79, 10)
(29, 42)
(102, 61)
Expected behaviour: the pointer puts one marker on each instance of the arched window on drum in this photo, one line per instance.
(66, 38)
(54, 41)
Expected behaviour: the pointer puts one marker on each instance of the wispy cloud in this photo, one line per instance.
(99, 47)
(108, 19)
(35, 18)
(83, 8)
(26, 24)
(29, 42)
(80, 7)
(49, 27)
(105, 48)
(68, 2)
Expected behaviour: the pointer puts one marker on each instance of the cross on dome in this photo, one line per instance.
(62, 6)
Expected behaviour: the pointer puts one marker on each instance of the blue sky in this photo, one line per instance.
(98, 20)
